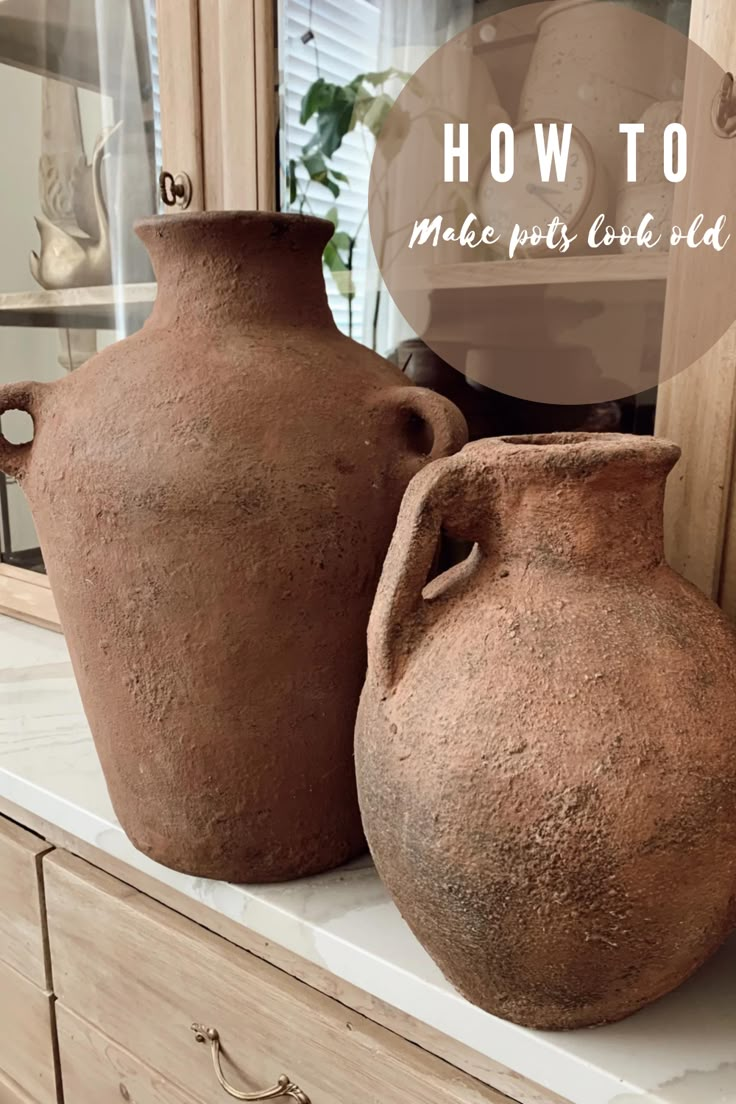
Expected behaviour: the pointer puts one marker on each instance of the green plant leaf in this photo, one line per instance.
(317, 97)
(385, 74)
(334, 122)
(332, 258)
(318, 171)
(314, 163)
(344, 283)
(362, 104)
(375, 116)
(341, 275)
(326, 182)
(338, 110)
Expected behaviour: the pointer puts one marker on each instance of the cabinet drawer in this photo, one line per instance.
(26, 1037)
(143, 974)
(95, 1070)
(22, 934)
(11, 1094)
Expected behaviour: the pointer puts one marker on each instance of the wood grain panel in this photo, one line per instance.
(22, 920)
(697, 408)
(12, 1094)
(27, 1037)
(266, 95)
(478, 1066)
(229, 112)
(727, 596)
(95, 1070)
(27, 596)
(143, 974)
(181, 99)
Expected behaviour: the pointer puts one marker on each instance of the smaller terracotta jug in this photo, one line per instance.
(546, 741)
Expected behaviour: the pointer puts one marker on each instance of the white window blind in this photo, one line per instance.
(155, 82)
(346, 42)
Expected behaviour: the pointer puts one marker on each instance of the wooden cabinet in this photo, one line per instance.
(96, 1070)
(27, 1036)
(100, 987)
(697, 408)
(27, 1046)
(22, 921)
(143, 975)
(12, 1094)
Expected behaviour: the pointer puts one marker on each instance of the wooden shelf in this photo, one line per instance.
(47, 38)
(27, 596)
(100, 308)
(613, 268)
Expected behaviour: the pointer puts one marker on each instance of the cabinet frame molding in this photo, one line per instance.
(180, 90)
(697, 408)
(239, 103)
(24, 594)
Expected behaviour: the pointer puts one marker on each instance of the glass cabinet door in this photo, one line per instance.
(366, 48)
(82, 141)
(340, 68)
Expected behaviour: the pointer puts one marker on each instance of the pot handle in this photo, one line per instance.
(439, 429)
(407, 566)
(14, 459)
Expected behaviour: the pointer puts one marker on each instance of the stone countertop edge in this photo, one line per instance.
(680, 1050)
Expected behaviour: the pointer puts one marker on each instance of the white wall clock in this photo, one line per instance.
(528, 201)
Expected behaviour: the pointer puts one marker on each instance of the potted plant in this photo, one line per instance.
(338, 110)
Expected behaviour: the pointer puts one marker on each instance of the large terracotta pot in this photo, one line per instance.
(546, 743)
(214, 498)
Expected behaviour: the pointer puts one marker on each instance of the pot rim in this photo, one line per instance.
(283, 219)
(566, 447)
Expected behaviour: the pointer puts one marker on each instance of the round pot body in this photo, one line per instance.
(214, 497)
(545, 744)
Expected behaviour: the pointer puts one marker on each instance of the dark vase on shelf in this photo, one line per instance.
(214, 497)
(491, 413)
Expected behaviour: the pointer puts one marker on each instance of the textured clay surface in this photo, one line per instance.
(546, 742)
(214, 497)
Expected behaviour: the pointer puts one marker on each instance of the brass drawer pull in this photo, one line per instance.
(284, 1086)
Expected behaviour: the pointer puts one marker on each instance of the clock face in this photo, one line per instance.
(526, 199)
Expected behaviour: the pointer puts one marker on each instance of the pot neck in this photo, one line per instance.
(588, 500)
(238, 268)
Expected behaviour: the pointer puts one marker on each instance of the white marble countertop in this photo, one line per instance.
(681, 1050)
